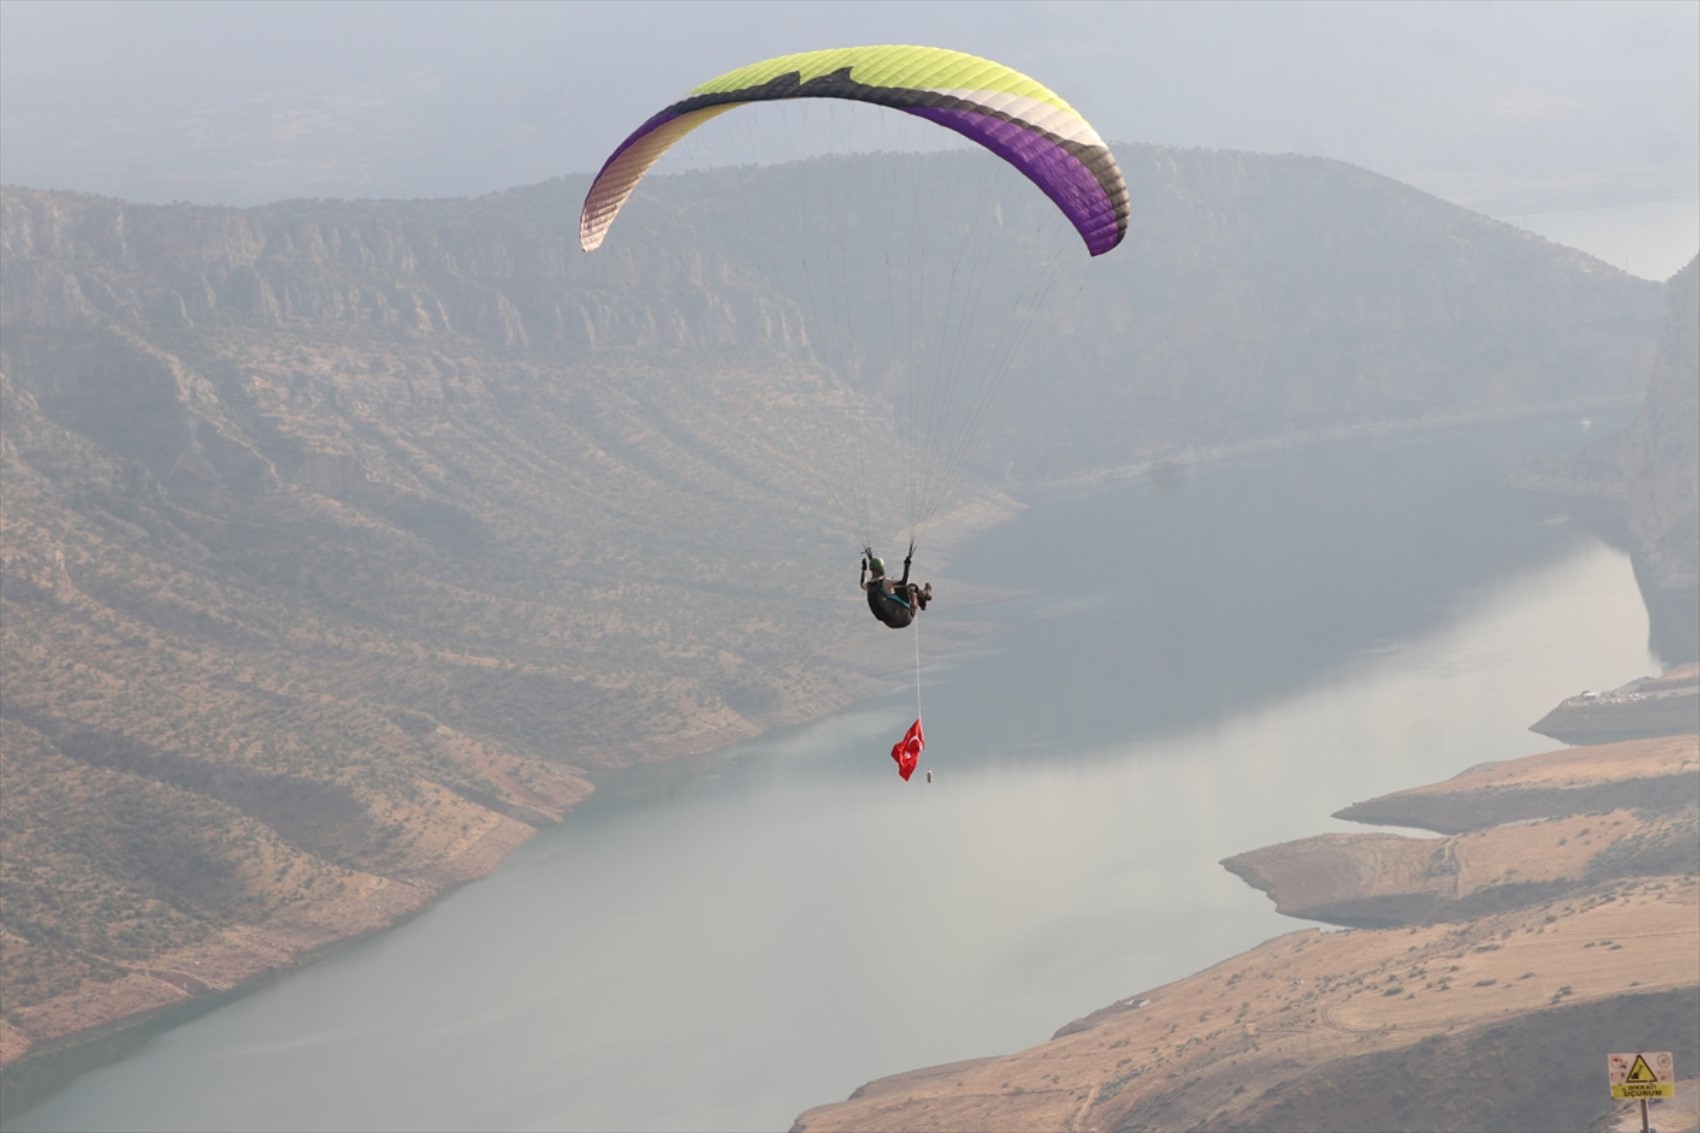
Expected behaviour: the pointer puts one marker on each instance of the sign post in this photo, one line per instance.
(1642, 1075)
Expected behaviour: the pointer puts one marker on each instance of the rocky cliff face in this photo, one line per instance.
(1660, 451)
(498, 271)
(344, 540)
(1650, 473)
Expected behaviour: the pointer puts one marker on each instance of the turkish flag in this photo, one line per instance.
(908, 750)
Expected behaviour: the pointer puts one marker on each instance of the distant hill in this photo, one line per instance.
(1262, 295)
(345, 541)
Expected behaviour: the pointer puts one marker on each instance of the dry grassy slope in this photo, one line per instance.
(1498, 1020)
(1641, 773)
(323, 589)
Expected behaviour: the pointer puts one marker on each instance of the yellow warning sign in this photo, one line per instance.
(1642, 1075)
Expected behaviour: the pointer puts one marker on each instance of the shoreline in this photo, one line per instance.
(1175, 463)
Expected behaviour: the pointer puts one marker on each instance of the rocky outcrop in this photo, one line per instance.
(1520, 832)
(1650, 474)
(1651, 775)
(1661, 462)
(1660, 451)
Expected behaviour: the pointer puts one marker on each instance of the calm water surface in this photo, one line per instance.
(1199, 670)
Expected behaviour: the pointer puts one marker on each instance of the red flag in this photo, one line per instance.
(907, 751)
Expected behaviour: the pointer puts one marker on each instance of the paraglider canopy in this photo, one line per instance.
(1010, 114)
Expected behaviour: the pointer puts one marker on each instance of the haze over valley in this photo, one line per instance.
(349, 544)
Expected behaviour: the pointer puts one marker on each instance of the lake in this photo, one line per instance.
(1198, 668)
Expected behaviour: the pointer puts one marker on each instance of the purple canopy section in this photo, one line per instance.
(608, 192)
(1065, 179)
(656, 121)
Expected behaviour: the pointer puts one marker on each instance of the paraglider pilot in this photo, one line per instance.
(894, 603)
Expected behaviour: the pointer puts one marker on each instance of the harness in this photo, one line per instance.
(891, 596)
(889, 607)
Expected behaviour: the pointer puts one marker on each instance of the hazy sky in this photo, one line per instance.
(1579, 111)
